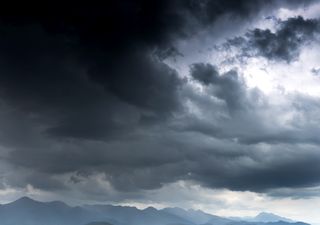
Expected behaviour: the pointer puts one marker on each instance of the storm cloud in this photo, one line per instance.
(89, 95)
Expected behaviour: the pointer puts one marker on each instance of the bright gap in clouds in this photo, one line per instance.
(282, 77)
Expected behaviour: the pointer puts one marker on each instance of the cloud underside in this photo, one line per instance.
(89, 97)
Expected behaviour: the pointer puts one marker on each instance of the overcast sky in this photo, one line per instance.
(205, 104)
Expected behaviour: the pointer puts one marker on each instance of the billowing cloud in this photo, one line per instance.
(90, 97)
(282, 44)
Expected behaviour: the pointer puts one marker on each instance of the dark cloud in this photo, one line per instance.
(258, 171)
(85, 63)
(44, 75)
(283, 44)
(227, 87)
(315, 71)
(244, 113)
(205, 73)
(87, 94)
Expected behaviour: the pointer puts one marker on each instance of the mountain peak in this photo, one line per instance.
(270, 217)
(24, 199)
(24, 202)
(151, 209)
(266, 214)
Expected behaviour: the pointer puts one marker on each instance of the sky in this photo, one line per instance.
(204, 104)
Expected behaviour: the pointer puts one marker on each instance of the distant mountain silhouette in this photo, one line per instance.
(134, 216)
(198, 216)
(26, 211)
(263, 217)
(270, 217)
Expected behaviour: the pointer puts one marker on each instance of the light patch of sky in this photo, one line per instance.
(282, 77)
(309, 12)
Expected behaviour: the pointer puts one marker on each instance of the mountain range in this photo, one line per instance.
(26, 211)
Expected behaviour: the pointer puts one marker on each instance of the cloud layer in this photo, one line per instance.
(88, 98)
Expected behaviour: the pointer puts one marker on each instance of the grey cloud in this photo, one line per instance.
(87, 94)
(44, 77)
(283, 44)
(135, 166)
(227, 87)
(204, 73)
(295, 193)
(315, 71)
(245, 116)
